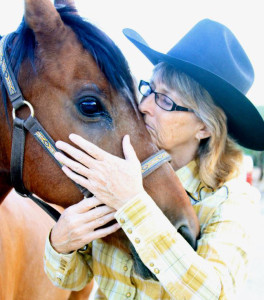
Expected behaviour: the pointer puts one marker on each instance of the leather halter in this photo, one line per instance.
(31, 125)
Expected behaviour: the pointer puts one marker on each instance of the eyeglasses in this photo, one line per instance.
(161, 100)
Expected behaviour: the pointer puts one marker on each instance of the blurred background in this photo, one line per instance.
(162, 24)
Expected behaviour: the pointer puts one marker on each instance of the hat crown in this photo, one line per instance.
(213, 47)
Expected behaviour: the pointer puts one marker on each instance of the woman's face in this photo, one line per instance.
(170, 130)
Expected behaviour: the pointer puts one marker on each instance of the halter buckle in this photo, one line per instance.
(28, 105)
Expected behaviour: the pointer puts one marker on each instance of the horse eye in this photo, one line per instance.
(90, 107)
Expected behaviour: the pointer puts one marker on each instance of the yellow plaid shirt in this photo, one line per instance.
(215, 271)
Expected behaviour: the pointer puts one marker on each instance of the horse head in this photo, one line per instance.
(78, 81)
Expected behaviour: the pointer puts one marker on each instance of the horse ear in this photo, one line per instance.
(62, 3)
(71, 3)
(43, 18)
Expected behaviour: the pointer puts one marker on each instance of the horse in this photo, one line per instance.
(76, 80)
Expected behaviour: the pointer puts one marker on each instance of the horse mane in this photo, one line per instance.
(107, 55)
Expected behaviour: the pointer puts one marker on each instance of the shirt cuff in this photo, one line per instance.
(60, 261)
(137, 214)
(69, 271)
(144, 222)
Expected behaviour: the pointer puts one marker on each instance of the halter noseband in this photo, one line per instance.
(31, 124)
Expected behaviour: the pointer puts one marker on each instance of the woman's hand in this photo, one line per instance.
(76, 226)
(111, 179)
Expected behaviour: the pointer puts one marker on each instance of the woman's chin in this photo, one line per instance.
(153, 138)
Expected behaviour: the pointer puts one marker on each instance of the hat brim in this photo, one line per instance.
(244, 122)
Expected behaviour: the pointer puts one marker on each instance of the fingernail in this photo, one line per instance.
(73, 136)
(58, 143)
(65, 169)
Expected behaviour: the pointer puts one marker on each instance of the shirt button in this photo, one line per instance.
(128, 295)
(151, 264)
(125, 268)
(129, 230)
(122, 220)
(156, 271)
(137, 240)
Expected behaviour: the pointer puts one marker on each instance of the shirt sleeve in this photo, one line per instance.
(68, 271)
(212, 272)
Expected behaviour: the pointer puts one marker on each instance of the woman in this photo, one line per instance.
(194, 107)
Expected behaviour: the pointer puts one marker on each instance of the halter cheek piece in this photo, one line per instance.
(31, 124)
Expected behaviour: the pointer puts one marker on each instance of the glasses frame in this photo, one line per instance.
(174, 107)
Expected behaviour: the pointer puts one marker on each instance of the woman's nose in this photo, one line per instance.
(147, 104)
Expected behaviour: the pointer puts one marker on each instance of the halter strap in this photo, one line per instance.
(31, 124)
(154, 162)
(8, 76)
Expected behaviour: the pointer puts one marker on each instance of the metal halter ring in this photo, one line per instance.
(29, 106)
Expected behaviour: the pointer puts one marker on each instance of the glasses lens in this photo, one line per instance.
(163, 101)
(144, 88)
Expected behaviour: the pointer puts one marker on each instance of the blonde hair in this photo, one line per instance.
(218, 157)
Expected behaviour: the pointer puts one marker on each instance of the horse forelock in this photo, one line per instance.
(105, 52)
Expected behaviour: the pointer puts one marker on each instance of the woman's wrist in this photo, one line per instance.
(119, 204)
(60, 248)
(128, 202)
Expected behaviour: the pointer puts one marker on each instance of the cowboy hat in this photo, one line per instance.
(211, 54)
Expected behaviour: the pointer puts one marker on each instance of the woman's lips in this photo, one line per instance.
(148, 126)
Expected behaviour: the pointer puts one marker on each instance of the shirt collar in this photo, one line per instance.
(188, 176)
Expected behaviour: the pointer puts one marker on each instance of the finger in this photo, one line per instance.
(85, 205)
(93, 184)
(73, 165)
(85, 233)
(128, 149)
(100, 233)
(88, 147)
(77, 154)
(97, 213)
(84, 182)
(93, 225)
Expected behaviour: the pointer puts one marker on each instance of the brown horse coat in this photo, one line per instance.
(23, 231)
